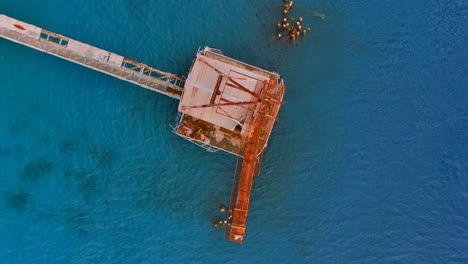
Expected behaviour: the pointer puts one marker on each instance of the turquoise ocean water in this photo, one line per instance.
(368, 163)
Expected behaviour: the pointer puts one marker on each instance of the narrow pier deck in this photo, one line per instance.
(91, 57)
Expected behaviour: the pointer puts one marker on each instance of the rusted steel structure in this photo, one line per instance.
(224, 104)
(232, 106)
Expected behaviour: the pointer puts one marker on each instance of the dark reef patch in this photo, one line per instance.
(67, 147)
(77, 219)
(87, 183)
(19, 126)
(5, 152)
(16, 200)
(84, 179)
(74, 216)
(19, 148)
(104, 157)
(34, 108)
(36, 168)
(43, 140)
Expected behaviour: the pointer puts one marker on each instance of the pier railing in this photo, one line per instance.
(94, 58)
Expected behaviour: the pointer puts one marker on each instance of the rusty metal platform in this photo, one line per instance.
(221, 100)
(231, 106)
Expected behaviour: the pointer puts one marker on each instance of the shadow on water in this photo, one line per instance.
(36, 168)
(16, 200)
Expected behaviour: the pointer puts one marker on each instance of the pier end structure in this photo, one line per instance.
(231, 106)
(222, 99)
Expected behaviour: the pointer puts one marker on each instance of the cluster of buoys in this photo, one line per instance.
(219, 222)
(292, 29)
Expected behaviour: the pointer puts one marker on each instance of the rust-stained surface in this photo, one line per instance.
(249, 99)
(220, 93)
(224, 95)
(255, 144)
(209, 134)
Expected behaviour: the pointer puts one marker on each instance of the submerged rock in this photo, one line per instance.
(36, 168)
(67, 147)
(16, 200)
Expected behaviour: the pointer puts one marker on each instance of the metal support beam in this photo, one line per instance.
(220, 105)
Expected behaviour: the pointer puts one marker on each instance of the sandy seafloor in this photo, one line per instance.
(368, 164)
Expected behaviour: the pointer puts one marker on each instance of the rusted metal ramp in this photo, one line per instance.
(249, 166)
(91, 57)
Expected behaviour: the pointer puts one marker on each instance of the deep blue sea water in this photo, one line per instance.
(368, 164)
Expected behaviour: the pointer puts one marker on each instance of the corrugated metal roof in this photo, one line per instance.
(202, 82)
